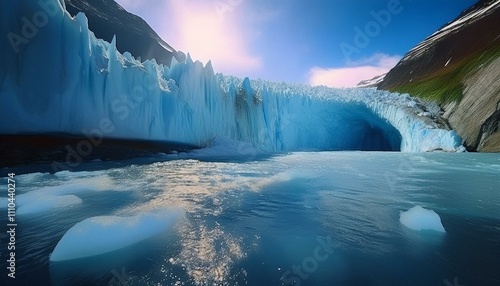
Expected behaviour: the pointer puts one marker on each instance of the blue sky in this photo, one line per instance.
(335, 43)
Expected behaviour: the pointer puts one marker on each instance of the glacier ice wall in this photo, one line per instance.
(56, 77)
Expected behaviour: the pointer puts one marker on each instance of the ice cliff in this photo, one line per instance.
(56, 77)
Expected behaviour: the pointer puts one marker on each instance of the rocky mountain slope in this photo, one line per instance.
(459, 67)
(107, 18)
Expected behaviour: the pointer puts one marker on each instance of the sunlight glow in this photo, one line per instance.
(207, 34)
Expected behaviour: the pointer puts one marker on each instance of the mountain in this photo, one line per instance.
(107, 18)
(459, 67)
(373, 82)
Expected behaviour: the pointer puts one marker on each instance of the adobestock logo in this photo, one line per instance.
(310, 264)
(372, 29)
(121, 109)
(224, 6)
(31, 27)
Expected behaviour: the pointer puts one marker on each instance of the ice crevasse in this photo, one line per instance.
(56, 77)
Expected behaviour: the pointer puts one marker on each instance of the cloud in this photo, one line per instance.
(353, 72)
(210, 32)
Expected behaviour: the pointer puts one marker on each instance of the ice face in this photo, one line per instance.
(418, 218)
(99, 235)
(56, 77)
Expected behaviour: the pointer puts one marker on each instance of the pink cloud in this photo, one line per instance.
(351, 75)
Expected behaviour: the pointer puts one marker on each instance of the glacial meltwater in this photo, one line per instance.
(311, 218)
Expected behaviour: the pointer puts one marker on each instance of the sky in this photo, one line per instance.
(336, 43)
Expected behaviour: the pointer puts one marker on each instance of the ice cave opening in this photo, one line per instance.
(361, 130)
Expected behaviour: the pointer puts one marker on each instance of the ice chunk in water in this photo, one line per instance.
(418, 218)
(102, 234)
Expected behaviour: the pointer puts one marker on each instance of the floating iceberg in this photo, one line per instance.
(42, 203)
(418, 218)
(99, 235)
(56, 77)
(57, 197)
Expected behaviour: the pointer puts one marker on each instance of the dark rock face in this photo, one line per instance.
(464, 56)
(477, 116)
(107, 18)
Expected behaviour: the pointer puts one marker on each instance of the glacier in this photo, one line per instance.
(56, 77)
